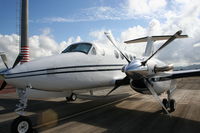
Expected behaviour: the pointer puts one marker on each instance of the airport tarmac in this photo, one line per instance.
(123, 111)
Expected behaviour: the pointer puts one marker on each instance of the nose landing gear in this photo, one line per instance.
(72, 97)
(22, 124)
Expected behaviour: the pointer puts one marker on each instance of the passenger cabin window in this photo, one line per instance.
(79, 47)
(103, 52)
(131, 57)
(122, 57)
(126, 55)
(116, 54)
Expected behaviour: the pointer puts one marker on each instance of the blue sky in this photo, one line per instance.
(55, 24)
(82, 13)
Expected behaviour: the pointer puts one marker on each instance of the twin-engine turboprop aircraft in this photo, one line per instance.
(85, 66)
(81, 66)
(152, 76)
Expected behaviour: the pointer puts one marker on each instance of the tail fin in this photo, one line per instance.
(150, 40)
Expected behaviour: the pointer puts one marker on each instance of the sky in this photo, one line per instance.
(54, 24)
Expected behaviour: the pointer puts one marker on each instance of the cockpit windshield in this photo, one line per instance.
(79, 47)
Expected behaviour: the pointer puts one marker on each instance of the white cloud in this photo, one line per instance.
(133, 32)
(142, 7)
(55, 19)
(99, 37)
(88, 14)
(129, 9)
(166, 17)
(196, 45)
(46, 31)
(181, 51)
(40, 45)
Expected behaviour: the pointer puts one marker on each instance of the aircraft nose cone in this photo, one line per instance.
(133, 66)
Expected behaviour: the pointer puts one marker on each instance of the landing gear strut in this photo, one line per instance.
(72, 97)
(22, 124)
(166, 103)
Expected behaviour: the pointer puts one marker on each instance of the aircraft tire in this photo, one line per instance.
(165, 103)
(21, 124)
(172, 105)
(73, 97)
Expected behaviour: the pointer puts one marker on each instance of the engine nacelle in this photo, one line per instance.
(139, 86)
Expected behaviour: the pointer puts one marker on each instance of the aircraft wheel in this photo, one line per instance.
(67, 99)
(73, 97)
(22, 124)
(165, 103)
(172, 105)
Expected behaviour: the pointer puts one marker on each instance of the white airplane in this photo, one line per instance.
(152, 76)
(81, 66)
(85, 66)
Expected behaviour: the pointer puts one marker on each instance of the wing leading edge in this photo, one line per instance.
(177, 74)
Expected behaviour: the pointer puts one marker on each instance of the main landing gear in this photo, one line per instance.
(166, 103)
(72, 97)
(22, 124)
(169, 103)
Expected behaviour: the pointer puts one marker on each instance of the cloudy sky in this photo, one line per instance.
(54, 24)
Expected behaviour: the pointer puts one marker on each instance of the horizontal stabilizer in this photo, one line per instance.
(153, 38)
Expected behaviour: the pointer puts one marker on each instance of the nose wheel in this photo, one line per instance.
(22, 124)
(72, 97)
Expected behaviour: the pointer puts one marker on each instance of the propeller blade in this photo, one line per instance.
(4, 59)
(3, 85)
(18, 59)
(118, 83)
(116, 86)
(112, 40)
(172, 38)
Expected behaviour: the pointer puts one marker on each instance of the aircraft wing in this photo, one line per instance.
(176, 74)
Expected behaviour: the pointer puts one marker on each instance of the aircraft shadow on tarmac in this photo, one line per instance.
(111, 118)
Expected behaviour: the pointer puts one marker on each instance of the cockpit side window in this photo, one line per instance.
(93, 51)
(80, 47)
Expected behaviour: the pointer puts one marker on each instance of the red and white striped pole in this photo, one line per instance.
(25, 54)
(24, 50)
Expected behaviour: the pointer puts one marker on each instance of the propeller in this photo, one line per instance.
(118, 83)
(4, 59)
(3, 85)
(18, 59)
(172, 38)
(125, 80)
(112, 40)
